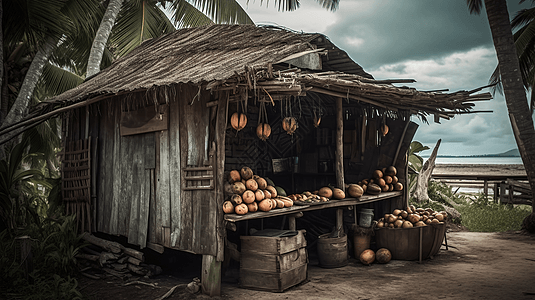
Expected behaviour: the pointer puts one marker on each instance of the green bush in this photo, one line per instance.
(54, 245)
(482, 215)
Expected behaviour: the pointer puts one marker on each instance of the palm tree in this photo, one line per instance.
(524, 38)
(33, 30)
(515, 96)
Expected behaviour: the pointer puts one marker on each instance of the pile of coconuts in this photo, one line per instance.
(381, 180)
(412, 217)
(248, 192)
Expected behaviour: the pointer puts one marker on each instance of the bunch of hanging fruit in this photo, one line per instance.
(248, 192)
(382, 180)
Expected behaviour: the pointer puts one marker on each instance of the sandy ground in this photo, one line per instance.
(476, 266)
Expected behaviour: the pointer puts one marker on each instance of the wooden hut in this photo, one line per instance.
(148, 142)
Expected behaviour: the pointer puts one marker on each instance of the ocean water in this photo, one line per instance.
(477, 160)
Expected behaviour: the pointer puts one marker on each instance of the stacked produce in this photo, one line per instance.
(412, 217)
(322, 195)
(384, 180)
(250, 193)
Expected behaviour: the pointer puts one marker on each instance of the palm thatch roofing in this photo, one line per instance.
(247, 57)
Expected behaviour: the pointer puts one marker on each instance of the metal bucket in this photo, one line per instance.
(366, 217)
(332, 252)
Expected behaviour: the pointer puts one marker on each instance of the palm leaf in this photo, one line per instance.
(32, 21)
(55, 80)
(185, 15)
(137, 22)
(329, 4)
(475, 6)
(223, 11)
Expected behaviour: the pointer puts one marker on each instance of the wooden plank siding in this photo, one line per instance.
(139, 178)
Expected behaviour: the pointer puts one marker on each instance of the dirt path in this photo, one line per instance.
(476, 266)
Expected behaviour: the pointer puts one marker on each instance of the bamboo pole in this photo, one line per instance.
(339, 157)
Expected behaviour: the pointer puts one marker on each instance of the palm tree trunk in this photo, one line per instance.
(103, 33)
(515, 95)
(18, 110)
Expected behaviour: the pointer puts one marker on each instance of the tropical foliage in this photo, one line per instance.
(415, 161)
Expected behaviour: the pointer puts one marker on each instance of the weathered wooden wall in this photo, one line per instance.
(140, 178)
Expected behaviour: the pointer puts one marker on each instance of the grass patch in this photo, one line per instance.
(478, 214)
(481, 215)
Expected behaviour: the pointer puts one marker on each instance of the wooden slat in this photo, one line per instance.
(175, 172)
(163, 196)
(219, 165)
(138, 189)
(116, 172)
(105, 166)
(129, 145)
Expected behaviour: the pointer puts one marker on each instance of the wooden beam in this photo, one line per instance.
(211, 276)
(339, 156)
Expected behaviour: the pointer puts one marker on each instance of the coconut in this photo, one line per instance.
(338, 194)
(272, 190)
(241, 209)
(263, 130)
(355, 190)
(383, 256)
(228, 207)
(234, 176)
(252, 207)
(251, 184)
(264, 205)
(367, 257)
(391, 171)
(289, 124)
(325, 192)
(262, 183)
(246, 173)
(238, 121)
(238, 188)
(248, 197)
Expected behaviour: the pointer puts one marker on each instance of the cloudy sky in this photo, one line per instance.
(437, 43)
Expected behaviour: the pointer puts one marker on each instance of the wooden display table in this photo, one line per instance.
(293, 212)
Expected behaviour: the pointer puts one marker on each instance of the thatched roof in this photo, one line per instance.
(246, 57)
(204, 54)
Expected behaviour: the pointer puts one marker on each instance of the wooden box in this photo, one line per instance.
(273, 245)
(272, 281)
(273, 263)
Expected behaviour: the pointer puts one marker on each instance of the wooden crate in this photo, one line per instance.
(273, 263)
(273, 245)
(272, 281)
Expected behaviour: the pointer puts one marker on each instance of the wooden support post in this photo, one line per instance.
(502, 192)
(420, 245)
(291, 220)
(486, 188)
(496, 192)
(211, 276)
(291, 223)
(340, 220)
(339, 155)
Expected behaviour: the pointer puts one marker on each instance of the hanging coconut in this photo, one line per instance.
(289, 124)
(263, 130)
(384, 129)
(238, 121)
(317, 119)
